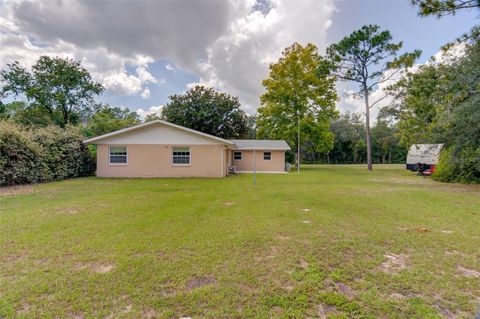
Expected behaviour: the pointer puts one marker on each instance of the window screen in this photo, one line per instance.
(181, 155)
(118, 155)
(237, 156)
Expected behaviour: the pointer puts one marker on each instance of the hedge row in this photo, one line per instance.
(42, 154)
(462, 166)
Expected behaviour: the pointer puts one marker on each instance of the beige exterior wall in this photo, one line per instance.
(150, 160)
(276, 164)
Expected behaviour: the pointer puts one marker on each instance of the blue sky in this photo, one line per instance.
(145, 51)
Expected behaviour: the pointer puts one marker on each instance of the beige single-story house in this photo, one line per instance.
(162, 149)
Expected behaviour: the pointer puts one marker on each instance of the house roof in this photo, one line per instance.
(136, 127)
(274, 145)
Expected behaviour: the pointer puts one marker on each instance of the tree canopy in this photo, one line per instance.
(206, 110)
(444, 7)
(369, 57)
(439, 104)
(297, 91)
(106, 119)
(60, 87)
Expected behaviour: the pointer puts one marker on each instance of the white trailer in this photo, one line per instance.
(426, 154)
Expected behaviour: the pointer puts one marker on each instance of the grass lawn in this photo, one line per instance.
(334, 241)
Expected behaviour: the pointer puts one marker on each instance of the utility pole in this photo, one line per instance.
(298, 142)
(254, 168)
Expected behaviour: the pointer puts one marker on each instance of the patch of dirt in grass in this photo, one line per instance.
(282, 237)
(445, 312)
(228, 204)
(99, 268)
(149, 314)
(76, 316)
(15, 258)
(125, 310)
(24, 309)
(199, 282)
(405, 181)
(16, 190)
(325, 311)
(288, 287)
(471, 273)
(303, 263)
(447, 231)
(397, 296)
(345, 290)
(68, 211)
(394, 263)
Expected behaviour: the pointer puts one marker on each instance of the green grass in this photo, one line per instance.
(293, 246)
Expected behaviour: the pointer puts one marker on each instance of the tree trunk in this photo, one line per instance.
(367, 128)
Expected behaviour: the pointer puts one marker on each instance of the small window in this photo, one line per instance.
(118, 155)
(237, 156)
(267, 156)
(181, 156)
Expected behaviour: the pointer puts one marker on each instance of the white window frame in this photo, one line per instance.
(110, 154)
(241, 156)
(270, 156)
(189, 156)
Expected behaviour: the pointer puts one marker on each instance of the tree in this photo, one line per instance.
(444, 7)
(152, 117)
(205, 110)
(439, 104)
(369, 57)
(298, 94)
(106, 119)
(348, 131)
(24, 114)
(60, 86)
(418, 99)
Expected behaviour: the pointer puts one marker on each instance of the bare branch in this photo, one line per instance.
(380, 99)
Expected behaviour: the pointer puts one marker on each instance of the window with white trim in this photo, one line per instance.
(181, 155)
(237, 156)
(118, 155)
(267, 156)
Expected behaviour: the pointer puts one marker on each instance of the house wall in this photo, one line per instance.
(276, 164)
(155, 160)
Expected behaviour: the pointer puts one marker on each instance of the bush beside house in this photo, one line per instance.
(42, 154)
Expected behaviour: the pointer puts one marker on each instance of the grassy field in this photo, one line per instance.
(332, 242)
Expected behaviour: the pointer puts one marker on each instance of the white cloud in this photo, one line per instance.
(225, 43)
(122, 84)
(145, 93)
(238, 61)
(151, 110)
(145, 76)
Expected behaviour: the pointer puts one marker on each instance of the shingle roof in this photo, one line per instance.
(273, 145)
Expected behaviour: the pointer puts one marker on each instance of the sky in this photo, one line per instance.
(144, 51)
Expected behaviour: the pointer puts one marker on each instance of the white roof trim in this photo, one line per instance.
(259, 148)
(128, 129)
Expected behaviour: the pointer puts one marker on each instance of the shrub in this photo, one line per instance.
(42, 154)
(63, 152)
(461, 166)
(20, 157)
